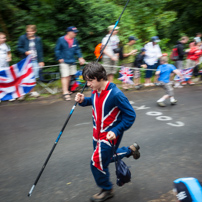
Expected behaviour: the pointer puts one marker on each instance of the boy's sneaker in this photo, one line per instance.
(34, 94)
(161, 104)
(184, 83)
(174, 102)
(190, 82)
(21, 98)
(102, 196)
(177, 85)
(134, 150)
(11, 100)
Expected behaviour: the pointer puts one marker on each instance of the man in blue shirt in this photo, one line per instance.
(66, 49)
(164, 71)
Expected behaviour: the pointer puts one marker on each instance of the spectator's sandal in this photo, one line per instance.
(67, 97)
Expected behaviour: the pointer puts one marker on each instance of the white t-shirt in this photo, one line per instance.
(112, 44)
(152, 53)
(32, 48)
(4, 49)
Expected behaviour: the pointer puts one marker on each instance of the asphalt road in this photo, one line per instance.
(170, 140)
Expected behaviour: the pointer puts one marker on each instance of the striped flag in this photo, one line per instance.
(126, 75)
(17, 80)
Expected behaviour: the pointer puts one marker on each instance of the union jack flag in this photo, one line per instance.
(17, 80)
(186, 73)
(103, 118)
(126, 75)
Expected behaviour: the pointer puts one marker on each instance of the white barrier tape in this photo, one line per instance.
(5, 68)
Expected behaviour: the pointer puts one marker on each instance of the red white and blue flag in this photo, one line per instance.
(17, 80)
(126, 75)
(186, 74)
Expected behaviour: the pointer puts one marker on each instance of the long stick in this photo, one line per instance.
(70, 114)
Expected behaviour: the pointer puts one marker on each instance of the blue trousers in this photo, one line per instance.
(101, 158)
(149, 73)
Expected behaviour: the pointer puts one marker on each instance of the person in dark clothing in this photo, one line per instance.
(139, 63)
(30, 44)
(181, 54)
(67, 50)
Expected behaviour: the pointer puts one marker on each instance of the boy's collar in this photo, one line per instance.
(95, 91)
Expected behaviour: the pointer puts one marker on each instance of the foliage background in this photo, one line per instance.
(169, 19)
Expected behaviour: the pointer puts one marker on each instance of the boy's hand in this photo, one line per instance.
(28, 52)
(111, 135)
(79, 97)
(41, 64)
(61, 60)
(81, 61)
(144, 66)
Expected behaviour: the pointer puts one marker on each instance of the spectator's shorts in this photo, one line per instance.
(179, 64)
(168, 87)
(36, 68)
(109, 70)
(149, 73)
(136, 73)
(67, 69)
(190, 63)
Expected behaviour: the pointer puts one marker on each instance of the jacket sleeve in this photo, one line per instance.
(21, 45)
(40, 53)
(78, 50)
(57, 50)
(128, 114)
(181, 52)
(87, 101)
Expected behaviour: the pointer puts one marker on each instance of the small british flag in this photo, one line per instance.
(17, 80)
(186, 73)
(126, 75)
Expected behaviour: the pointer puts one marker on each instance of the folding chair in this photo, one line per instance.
(46, 78)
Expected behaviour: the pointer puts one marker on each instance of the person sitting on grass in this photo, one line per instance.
(164, 71)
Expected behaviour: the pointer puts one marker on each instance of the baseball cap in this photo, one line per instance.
(130, 38)
(111, 27)
(188, 189)
(155, 39)
(197, 39)
(142, 49)
(72, 29)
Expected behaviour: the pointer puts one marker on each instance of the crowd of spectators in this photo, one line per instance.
(67, 49)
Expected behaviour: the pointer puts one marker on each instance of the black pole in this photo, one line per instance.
(71, 112)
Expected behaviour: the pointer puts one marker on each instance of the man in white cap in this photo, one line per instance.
(110, 55)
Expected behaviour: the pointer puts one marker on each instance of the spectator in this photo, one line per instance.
(30, 44)
(66, 49)
(181, 54)
(197, 39)
(193, 59)
(5, 51)
(129, 55)
(139, 63)
(164, 71)
(110, 55)
(152, 54)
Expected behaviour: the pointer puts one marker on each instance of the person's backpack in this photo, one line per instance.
(122, 170)
(121, 53)
(174, 55)
(97, 50)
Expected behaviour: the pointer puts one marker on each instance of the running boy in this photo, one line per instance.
(112, 115)
(164, 71)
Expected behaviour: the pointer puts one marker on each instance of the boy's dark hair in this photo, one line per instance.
(94, 70)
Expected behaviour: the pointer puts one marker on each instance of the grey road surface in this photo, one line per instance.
(170, 140)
